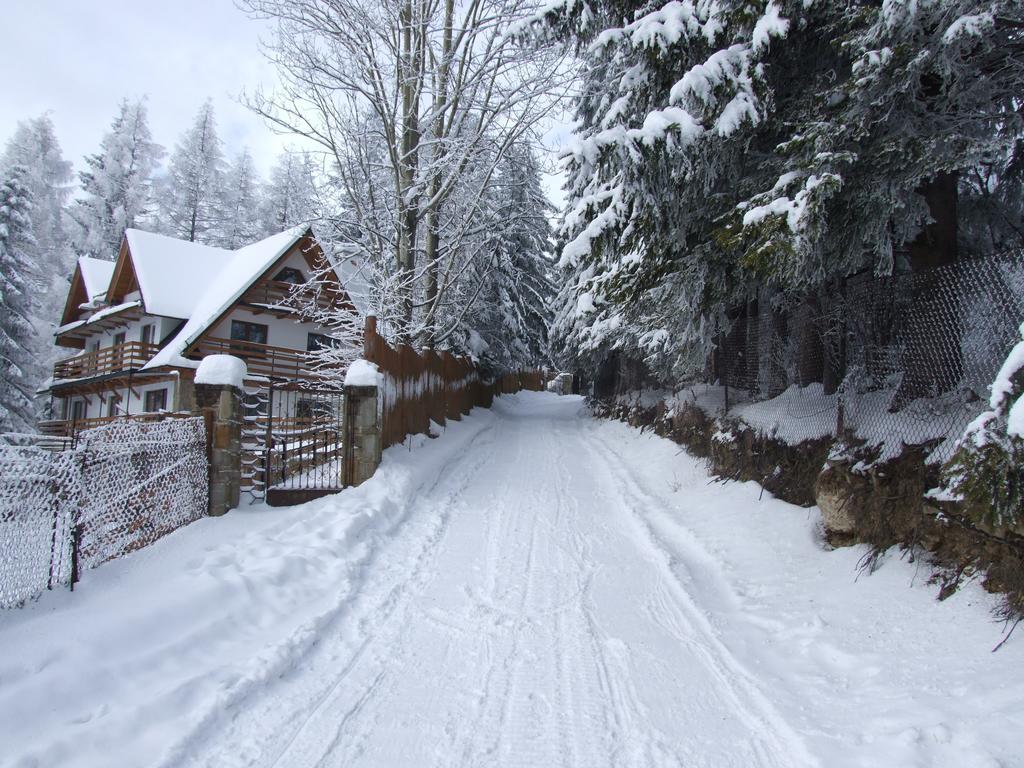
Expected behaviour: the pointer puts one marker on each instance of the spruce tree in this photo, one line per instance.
(190, 206)
(16, 297)
(729, 147)
(116, 184)
(514, 312)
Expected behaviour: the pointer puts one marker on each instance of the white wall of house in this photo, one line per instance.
(98, 405)
(281, 331)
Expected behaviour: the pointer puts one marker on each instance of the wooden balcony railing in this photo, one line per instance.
(120, 357)
(260, 359)
(273, 294)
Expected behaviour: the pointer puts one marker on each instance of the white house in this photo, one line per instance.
(141, 324)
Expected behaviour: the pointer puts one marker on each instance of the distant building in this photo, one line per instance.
(143, 323)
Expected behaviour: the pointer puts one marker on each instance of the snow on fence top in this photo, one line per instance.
(363, 373)
(221, 369)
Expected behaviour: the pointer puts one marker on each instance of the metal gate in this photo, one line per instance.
(293, 443)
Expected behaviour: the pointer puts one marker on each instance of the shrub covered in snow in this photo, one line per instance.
(987, 470)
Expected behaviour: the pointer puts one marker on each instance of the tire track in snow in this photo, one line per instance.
(775, 742)
(304, 693)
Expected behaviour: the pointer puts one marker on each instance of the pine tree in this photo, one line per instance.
(190, 207)
(46, 176)
(16, 326)
(291, 193)
(726, 147)
(513, 312)
(240, 205)
(116, 185)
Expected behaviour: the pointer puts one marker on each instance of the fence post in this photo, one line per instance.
(223, 403)
(362, 434)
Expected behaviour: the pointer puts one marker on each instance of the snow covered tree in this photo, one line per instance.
(291, 197)
(190, 205)
(46, 176)
(728, 146)
(409, 101)
(987, 470)
(16, 322)
(240, 204)
(506, 327)
(116, 184)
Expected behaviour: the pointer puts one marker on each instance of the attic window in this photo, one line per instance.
(290, 275)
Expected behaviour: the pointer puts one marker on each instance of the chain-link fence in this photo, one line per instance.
(124, 486)
(904, 360)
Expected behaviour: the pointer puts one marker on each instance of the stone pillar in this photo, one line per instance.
(184, 395)
(362, 435)
(222, 407)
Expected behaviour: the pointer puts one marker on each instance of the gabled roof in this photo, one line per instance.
(88, 283)
(171, 273)
(244, 268)
(95, 276)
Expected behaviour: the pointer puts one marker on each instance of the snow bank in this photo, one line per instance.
(221, 369)
(363, 373)
(155, 652)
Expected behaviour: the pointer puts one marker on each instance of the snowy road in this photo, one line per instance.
(538, 624)
(527, 594)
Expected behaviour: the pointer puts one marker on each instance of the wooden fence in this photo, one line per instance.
(420, 387)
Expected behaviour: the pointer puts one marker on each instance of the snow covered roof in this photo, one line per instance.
(96, 274)
(169, 270)
(224, 288)
(95, 317)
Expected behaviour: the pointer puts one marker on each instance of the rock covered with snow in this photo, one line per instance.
(226, 370)
(363, 373)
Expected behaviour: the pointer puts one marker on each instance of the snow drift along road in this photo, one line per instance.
(533, 588)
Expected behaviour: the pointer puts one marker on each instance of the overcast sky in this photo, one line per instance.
(77, 60)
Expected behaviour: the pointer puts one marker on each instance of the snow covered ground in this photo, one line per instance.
(534, 588)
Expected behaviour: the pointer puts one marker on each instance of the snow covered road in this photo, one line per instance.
(535, 588)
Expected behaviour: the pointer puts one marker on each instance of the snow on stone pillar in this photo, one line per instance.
(363, 382)
(218, 396)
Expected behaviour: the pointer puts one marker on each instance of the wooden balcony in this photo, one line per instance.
(116, 359)
(260, 359)
(272, 295)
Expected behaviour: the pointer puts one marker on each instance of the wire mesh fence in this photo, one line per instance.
(903, 360)
(124, 486)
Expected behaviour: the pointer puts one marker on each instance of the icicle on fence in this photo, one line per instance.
(125, 485)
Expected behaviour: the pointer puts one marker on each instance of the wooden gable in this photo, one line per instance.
(123, 281)
(77, 295)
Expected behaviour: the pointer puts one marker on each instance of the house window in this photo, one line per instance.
(77, 410)
(252, 332)
(119, 339)
(156, 400)
(147, 334)
(318, 341)
(248, 335)
(112, 406)
(290, 275)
